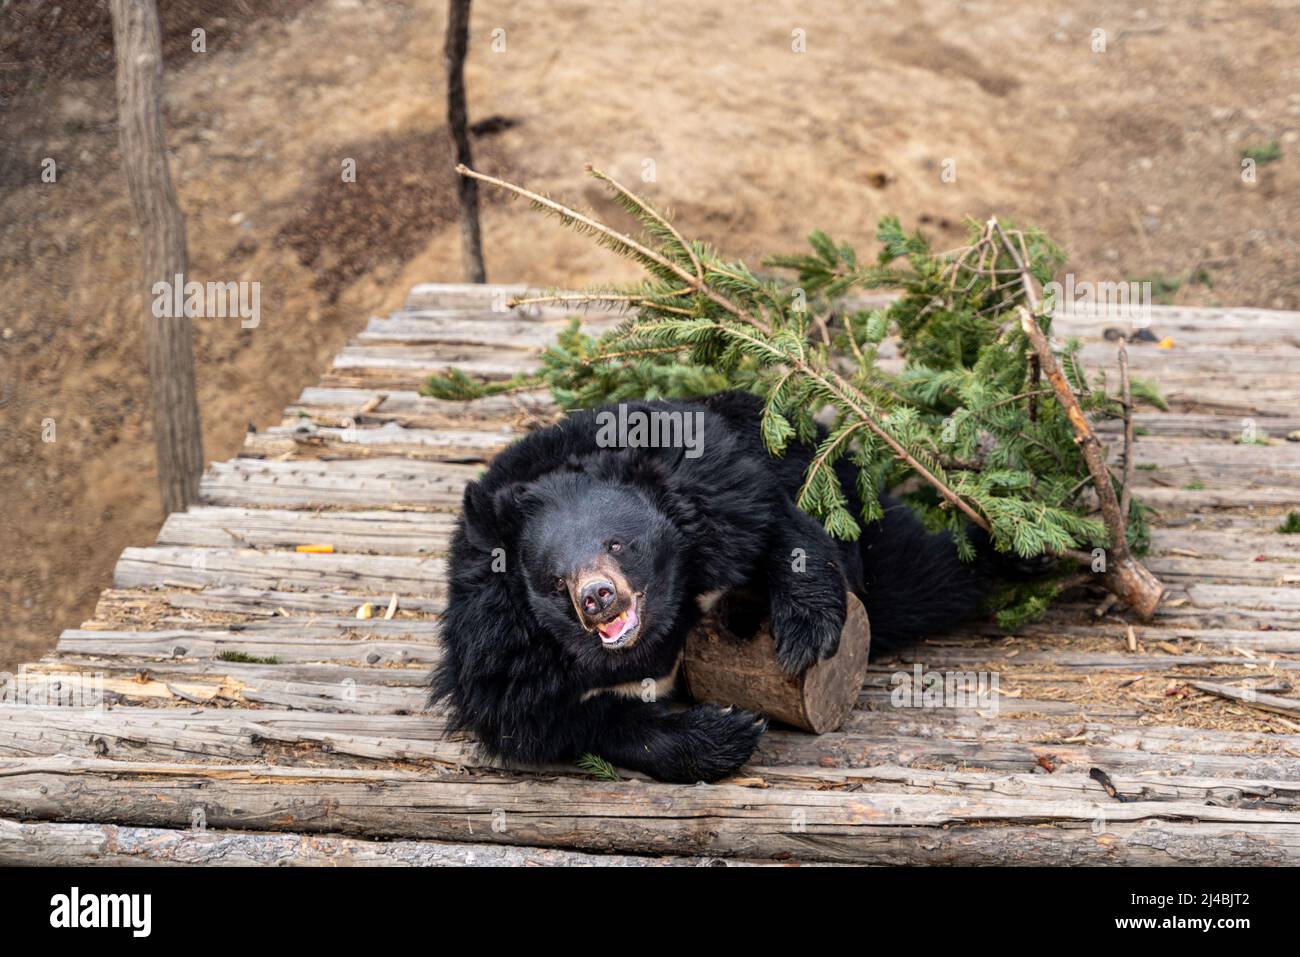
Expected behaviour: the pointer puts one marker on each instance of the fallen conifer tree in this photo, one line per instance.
(988, 423)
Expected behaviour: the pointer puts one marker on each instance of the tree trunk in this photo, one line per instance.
(457, 121)
(177, 437)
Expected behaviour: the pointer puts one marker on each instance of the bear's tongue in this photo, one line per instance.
(612, 631)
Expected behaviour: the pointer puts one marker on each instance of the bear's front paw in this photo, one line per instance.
(718, 743)
(804, 637)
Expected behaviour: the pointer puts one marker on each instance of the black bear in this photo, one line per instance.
(578, 567)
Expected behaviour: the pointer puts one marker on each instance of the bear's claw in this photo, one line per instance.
(721, 741)
(803, 639)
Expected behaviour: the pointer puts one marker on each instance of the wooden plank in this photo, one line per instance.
(1245, 597)
(484, 362)
(409, 408)
(376, 532)
(307, 440)
(1228, 570)
(180, 643)
(1208, 542)
(446, 295)
(938, 738)
(936, 746)
(1223, 495)
(634, 817)
(1272, 641)
(523, 333)
(1263, 358)
(220, 567)
(117, 604)
(27, 844)
(1278, 795)
(1282, 457)
(967, 657)
(352, 483)
(1203, 425)
(302, 686)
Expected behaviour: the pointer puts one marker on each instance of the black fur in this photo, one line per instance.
(519, 668)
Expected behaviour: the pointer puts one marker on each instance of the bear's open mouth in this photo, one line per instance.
(622, 631)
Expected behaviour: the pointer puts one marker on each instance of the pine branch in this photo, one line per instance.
(619, 239)
(1131, 580)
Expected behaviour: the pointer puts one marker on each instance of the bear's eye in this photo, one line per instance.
(614, 545)
(558, 583)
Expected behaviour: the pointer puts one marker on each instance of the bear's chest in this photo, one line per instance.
(646, 689)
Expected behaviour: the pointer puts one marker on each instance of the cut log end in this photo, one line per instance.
(743, 672)
(1134, 583)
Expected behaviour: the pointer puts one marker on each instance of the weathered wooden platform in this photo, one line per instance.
(252, 717)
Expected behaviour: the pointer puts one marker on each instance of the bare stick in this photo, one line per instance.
(1126, 396)
(1252, 697)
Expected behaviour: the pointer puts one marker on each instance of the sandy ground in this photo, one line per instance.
(1129, 156)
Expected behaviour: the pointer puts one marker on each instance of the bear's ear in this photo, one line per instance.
(478, 516)
(511, 504)
(492, 517)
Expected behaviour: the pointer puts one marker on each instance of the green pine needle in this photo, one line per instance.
(598, 767)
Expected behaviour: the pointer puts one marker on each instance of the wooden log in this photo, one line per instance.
(352, 483)
(461, 295)
(348, 739)
(28, 844)
(379, 532)
(268, 649)
(308, 439)
(198, 567)
(499, 330)
(638, 818)
(478, 361)
(118, 604)
(410, 409)
(726, 670)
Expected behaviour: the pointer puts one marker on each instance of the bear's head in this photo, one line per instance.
(600, 558)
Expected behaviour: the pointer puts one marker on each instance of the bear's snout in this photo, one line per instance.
(602, 596)
(597, 595)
